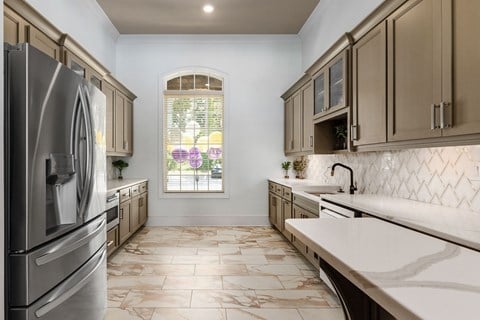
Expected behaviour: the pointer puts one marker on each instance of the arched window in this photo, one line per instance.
(193, 113)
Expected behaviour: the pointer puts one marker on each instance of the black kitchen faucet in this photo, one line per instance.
(353, 188)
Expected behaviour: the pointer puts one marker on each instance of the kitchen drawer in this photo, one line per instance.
(143, 187)
(271, 187)
(112, 240)
(135, 190)
(287, 193)
(125, 194)
(279, 190)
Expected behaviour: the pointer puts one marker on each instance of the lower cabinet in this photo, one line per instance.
(280, 206)
(133, 213)
(312, 256)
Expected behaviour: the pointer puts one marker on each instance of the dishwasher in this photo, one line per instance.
(329, 210)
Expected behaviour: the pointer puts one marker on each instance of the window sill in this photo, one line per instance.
(194, 195)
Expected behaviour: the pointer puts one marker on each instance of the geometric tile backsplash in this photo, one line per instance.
(446, 176)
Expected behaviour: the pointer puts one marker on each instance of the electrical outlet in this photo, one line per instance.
(476, 176)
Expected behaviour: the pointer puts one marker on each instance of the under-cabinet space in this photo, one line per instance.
(332, 134)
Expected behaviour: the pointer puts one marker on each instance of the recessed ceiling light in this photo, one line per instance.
(208, 8)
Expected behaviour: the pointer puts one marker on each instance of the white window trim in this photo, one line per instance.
(226, 137)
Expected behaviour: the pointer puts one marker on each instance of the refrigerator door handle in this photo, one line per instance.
(86, 185)
(66, 293)
(77, 240)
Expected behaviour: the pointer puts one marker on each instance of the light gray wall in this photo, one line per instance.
(86, 22)
(258, 70)
(328, 22)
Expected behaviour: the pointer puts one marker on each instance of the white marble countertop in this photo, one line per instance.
(410, 274)
(456, 225)
(116, 184)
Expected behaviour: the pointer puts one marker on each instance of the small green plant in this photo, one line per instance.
(286, 166)
(341, 132)
(120, 165)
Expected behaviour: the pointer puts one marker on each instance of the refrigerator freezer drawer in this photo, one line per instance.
(35, 273)
(83, 295)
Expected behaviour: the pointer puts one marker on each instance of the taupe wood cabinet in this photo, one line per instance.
(109, 92)
(17, 30)
(123, 124)
(312, 256)
(462, 111)
(23, 24)
(82, 68)
(370, 88)
(414, 70)
(307, 113)
(133, 210)
(433, 70)
(299, 121)
(331, 85)
(288, 126)
(280, 206)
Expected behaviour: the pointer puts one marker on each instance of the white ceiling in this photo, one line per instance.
(229, 17)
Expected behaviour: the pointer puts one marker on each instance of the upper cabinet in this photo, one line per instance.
(298, 128)
(119, 118)
(307, 113)
(415, 70)
(82, 68)
(17, 30)
(433, 67)
(330, 85)
(369, 88)
(461, 96)
(23, 24)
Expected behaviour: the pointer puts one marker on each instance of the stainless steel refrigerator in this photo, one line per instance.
(55, 155)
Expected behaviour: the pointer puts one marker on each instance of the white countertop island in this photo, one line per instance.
(409, 274)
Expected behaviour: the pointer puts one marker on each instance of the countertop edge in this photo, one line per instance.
(127, 183)
(405, 223)
(376, 293)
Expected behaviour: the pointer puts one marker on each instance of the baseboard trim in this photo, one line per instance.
(156, 221)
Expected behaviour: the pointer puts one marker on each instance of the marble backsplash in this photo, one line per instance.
(445, 176)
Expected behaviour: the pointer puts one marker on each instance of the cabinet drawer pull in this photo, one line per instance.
(433, 124)
(110, 243)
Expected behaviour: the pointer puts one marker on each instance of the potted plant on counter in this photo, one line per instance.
(286, 167)
(120, 165)
(299, 165)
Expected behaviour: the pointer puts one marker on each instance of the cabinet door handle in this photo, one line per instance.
(311, 141)
(121, 213)
(291, 145)
(443, 109)
(354, 132)
(109, 243)
(434, 125)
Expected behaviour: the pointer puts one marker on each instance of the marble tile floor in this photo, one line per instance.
(215, 273)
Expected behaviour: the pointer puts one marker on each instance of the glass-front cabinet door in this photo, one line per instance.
(330, 85)
(336, 83)
(320, 104)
